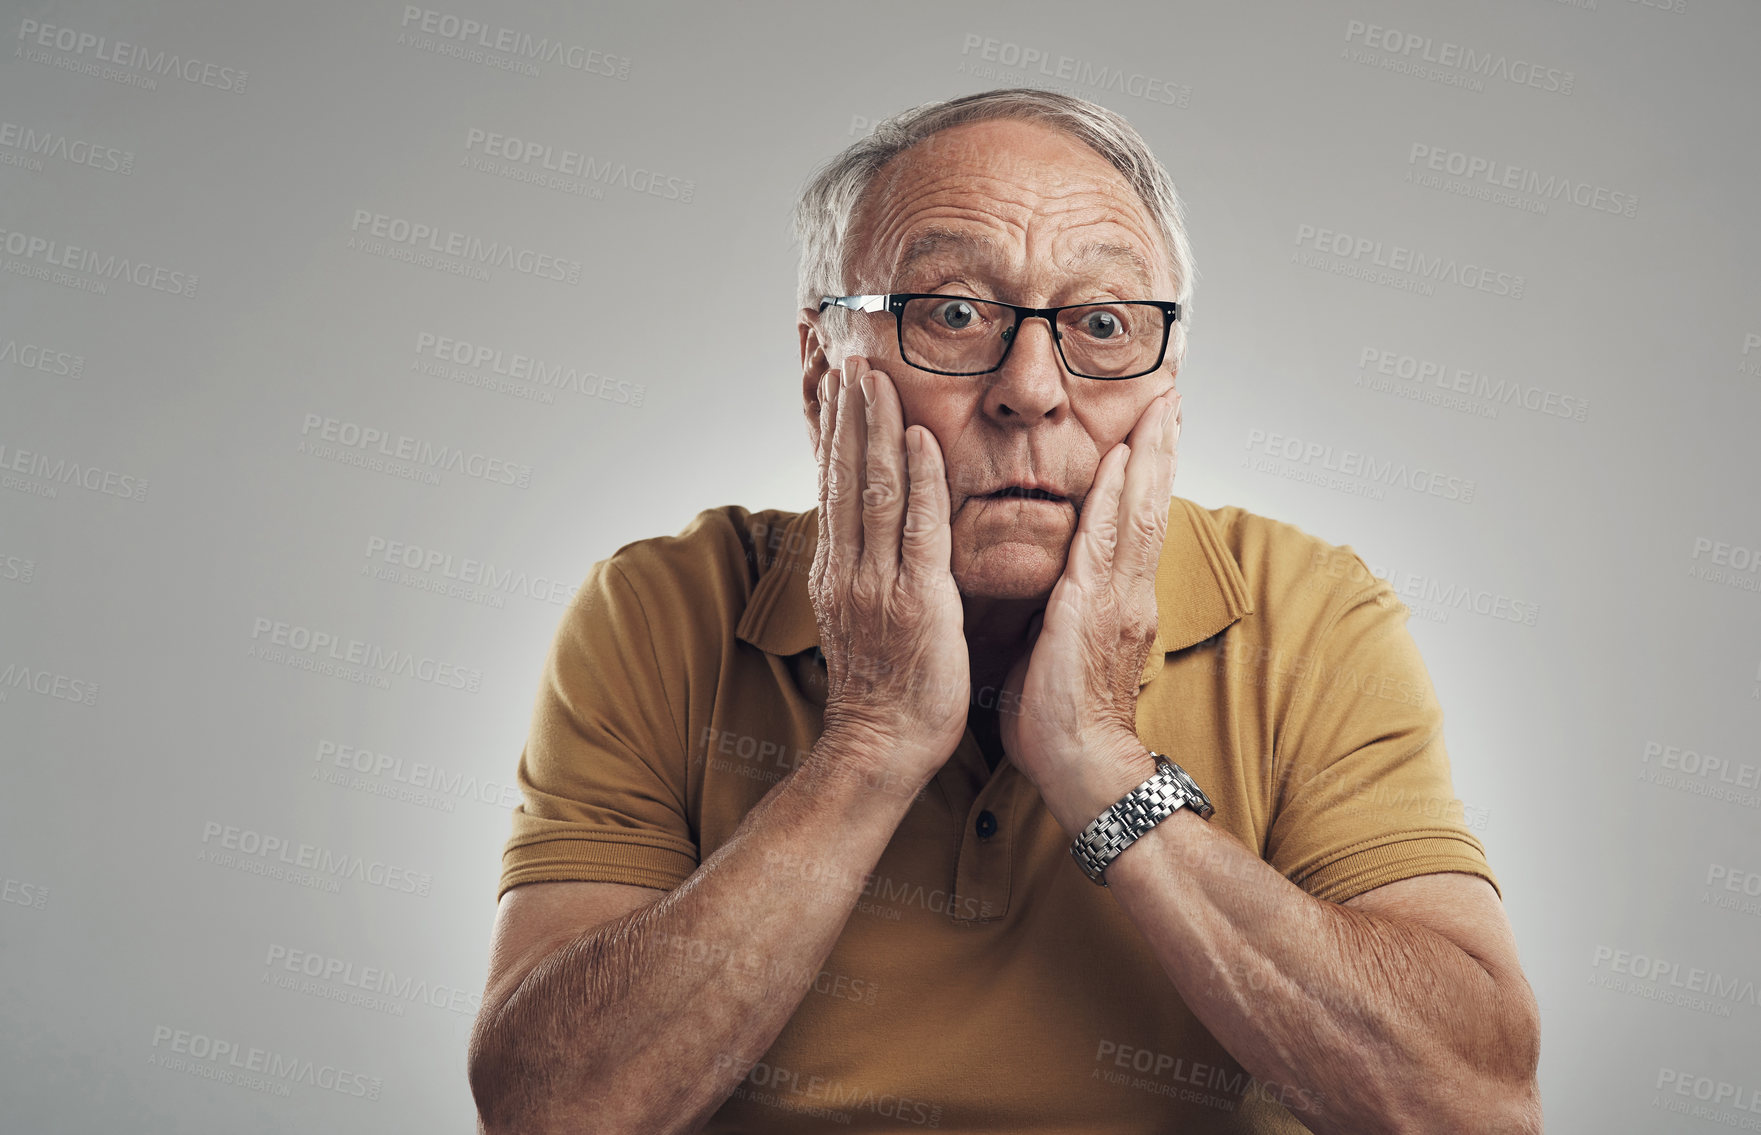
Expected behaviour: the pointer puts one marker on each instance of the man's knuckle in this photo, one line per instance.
(865, 590)
(880, 492)
(900, 607)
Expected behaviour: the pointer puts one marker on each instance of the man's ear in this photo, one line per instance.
(814, 364)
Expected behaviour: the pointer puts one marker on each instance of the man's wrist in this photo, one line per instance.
(842, 767)
(1097, 784)
(1139, 813)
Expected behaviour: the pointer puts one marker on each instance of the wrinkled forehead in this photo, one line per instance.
(985, 202)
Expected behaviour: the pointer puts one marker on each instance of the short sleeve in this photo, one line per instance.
(1362, 794)
(602, 774)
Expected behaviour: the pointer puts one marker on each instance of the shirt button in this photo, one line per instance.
(986, 825)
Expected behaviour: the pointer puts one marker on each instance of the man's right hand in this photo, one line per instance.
(889, 612)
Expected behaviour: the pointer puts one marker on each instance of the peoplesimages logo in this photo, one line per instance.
(1732, 888)
(1697, 1096)
(27, 147)
(416, 782)
(18, 892)
(119, 61)
(44, 475)
(1461, 389)
(47, 683)
(259, 1068)
(328, 652)
(429, 245)
(1427, 596)
(1500, 183)
(1194, 1081)
(304, 864)
(1711, 775)
(17, 569)
(1006, 62)
(516, 373)
(1726, 562)
(560, 167)
(460, 577)
(403, 455)
(30, 354)
(826, 1098)
(469, 40)
(1352, 471)
(379, 989)
(1447, 62)
(1699, 988)
(52, 260)
(1398, 266)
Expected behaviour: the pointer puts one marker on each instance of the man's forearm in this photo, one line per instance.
(1362, 1024)
(608, 1034)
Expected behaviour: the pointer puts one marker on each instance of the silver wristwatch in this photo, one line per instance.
(1139, 810)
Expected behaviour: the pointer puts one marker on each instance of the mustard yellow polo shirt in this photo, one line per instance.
(983, 983)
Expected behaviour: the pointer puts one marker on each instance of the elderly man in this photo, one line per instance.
(816, 803)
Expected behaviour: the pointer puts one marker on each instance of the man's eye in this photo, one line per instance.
(1101, 324)
(957, 315)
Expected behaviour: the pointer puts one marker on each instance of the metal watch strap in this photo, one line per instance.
(1139, 810)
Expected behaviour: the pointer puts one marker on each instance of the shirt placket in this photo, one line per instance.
(983, 802)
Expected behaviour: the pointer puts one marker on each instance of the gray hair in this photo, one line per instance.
(828, 202)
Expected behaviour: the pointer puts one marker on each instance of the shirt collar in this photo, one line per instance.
(1199, 588)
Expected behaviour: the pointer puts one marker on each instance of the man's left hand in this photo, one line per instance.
(1069, 721)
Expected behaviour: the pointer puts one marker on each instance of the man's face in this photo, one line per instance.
(1018, 212)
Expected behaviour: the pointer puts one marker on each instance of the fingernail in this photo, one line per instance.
(844, 382)
(867, 385)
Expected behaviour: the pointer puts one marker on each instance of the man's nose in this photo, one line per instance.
(1030, 383)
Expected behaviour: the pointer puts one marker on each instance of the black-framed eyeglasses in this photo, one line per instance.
(964, 335)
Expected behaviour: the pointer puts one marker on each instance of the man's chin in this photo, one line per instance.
(1010, 569)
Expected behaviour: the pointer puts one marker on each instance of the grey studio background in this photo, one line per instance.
(338, 341)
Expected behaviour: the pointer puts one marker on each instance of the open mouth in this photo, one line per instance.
(1025, 494)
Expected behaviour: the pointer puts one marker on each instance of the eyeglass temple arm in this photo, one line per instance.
(855, 303)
